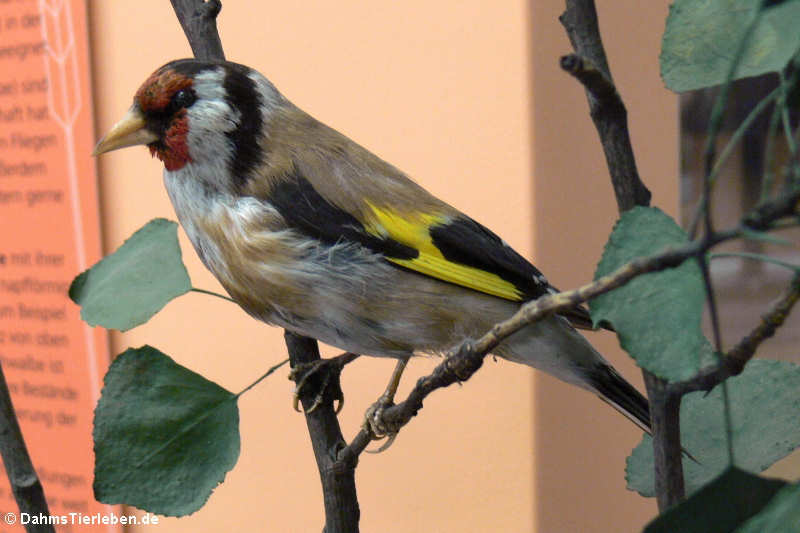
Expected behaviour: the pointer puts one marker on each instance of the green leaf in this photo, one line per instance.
(780, 515)
(129, 286)
(765, 413)
(720, 506)
(656, 316)
(703, 36)
(164, 437)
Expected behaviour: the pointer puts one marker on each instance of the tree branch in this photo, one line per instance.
(733, 363)
(611, 120)
(198, 19)
(599, 86)
(336, 471)
(609, 114)
(25, 483)
(199, 22)
(665, 410)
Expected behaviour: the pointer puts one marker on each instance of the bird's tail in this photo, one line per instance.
(553, 346)
(543, 345)
(621, 395)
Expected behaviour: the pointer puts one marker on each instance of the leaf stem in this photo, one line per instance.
(211, 293)
(786, 86)
(712, 305)
(740, 131)
(259, 380)
(715, 125)
(757, 257)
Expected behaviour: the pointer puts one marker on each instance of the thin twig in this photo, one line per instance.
(199, 22)
(717, 333)
(594, 80)
(611, 120)
(786, 86)
(608, 114)
(211, 293)
(768, 179)
(757, 257)
(733, 363)
(728, 150)
(22, 476)
(715, 124)
(264, 376)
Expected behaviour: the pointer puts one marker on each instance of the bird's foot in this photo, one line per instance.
(319, 378)
(377, 427)
(374, 423)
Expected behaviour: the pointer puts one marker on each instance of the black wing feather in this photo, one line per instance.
(462, 240)
(308, 211)
(467, 242)
(470, 243)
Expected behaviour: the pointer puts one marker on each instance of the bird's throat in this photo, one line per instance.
(173, 150)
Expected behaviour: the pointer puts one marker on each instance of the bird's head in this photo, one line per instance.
(191, 111)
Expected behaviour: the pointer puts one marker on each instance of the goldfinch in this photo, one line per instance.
(307, 230)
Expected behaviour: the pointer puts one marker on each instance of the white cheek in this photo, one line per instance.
(214, 115)
(208, 124)
(209, 84)
(210, 119)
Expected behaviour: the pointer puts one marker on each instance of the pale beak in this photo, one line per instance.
(129, 131)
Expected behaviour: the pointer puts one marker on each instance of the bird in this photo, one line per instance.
(307, 230)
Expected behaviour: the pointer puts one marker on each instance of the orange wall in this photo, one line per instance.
(445, 91)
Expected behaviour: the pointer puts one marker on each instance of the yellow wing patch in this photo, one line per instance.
(413, 230)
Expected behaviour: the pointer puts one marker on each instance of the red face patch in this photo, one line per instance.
(174, 151)
(157, 90)
(154, 96)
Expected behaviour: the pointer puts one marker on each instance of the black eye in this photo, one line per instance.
(182, 99)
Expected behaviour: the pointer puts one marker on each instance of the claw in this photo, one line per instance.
(385, 446)
(317, 403)
(373, 424)
(373, 418)
(338, 405)
(330, 370)
(296, 401)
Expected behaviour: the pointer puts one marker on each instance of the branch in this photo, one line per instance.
(611, 120)
(665, 411)
(199, 23)
(733, 363)
(599, 86)
(605, 106)
(25, 483)
(337, 471)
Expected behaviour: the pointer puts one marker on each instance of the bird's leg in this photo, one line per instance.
(373, 419)
(318, 377)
